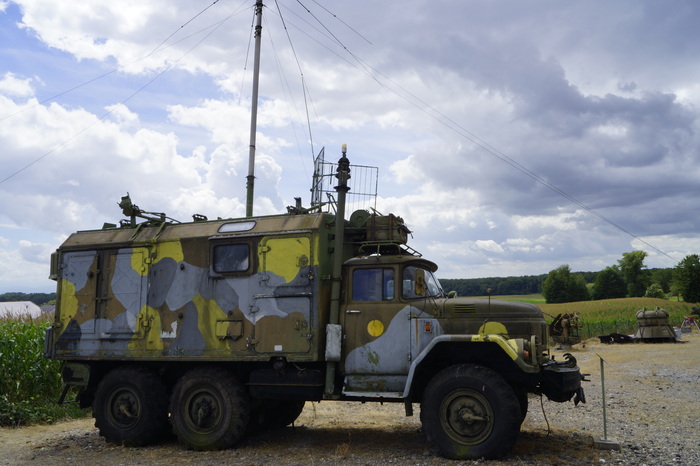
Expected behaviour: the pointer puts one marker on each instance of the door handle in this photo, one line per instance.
(352, 311)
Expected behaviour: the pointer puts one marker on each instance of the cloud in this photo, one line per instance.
(34, 252)
(13, 86)
(23, 275)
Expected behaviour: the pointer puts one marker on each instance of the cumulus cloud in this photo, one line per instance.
(14, 86)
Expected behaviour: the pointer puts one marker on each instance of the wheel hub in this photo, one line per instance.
(467, 416)
(124, 408)
(205, 412)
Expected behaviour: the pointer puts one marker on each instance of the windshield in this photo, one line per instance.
(433, 284)
(420, 283)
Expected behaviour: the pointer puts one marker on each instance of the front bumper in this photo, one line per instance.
(561, 381)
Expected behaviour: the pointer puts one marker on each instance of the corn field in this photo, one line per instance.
(616, 315)
(30, 384)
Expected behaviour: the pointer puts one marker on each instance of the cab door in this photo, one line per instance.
(376, 332)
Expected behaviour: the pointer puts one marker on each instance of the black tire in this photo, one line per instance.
(470, 412)
(523, 402)
(130, 407)
(209, 409)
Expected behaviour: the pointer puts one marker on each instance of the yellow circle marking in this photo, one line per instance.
(375, 328)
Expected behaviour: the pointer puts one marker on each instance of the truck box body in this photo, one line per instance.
(196, 291)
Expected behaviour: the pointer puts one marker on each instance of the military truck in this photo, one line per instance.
(215, 330)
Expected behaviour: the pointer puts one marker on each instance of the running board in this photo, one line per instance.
(375, 395)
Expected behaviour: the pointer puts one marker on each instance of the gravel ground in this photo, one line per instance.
(651, 403)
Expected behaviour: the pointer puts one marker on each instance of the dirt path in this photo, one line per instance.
(650, 392)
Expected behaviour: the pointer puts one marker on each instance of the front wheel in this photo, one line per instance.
(209, 409)
(470, 412)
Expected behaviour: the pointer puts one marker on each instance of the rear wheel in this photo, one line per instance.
(209, 409)
(470, 412)
(130, 407)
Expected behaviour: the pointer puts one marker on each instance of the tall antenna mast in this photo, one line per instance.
(250, 179)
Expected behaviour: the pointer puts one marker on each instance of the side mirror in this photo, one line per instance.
(452, 294)
(419, 286)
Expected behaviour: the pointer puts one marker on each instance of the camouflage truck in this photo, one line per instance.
(220, 329)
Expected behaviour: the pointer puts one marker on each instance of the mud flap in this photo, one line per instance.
(333, 342)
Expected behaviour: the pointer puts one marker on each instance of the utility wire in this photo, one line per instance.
(119, 68)
(343, 22)
(109, 112)
(303, 82)
(288, 95)
(460, 130)
(247, 56)
(183, 25)
(452, 125)
(339, 42)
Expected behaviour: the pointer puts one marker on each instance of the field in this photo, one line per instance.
(609, 315)
(30, 384)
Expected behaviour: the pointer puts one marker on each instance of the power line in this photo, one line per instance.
(303, 82)
(119, 68)
(455, 127)
(109, 112)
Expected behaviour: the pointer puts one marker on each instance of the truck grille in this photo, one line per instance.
(465, 309)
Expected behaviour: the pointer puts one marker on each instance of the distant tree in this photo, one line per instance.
(675, 290)
(530, 284)
(634, 273)
(663, 277)
(655, 291)
(36, 298)
(561, 286)
(578, 290)
(609, 284)
(686, 277)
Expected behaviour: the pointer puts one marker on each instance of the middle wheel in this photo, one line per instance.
(209, 409)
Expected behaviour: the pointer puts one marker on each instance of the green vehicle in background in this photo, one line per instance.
(218, 329)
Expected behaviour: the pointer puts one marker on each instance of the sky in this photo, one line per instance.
(512, 137)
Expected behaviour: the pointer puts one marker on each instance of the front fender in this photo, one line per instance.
(513, 348)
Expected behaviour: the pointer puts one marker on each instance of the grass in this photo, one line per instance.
(608, 315)
(523, 298)
(30, 384)
(618, 315)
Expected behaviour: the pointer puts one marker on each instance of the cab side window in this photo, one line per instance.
(228, 258)
(373, 284)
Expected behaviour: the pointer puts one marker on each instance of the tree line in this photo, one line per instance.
(37, 298)
(628, 278)
(528, 284)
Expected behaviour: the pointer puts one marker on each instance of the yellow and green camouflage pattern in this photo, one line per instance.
(154, 292)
